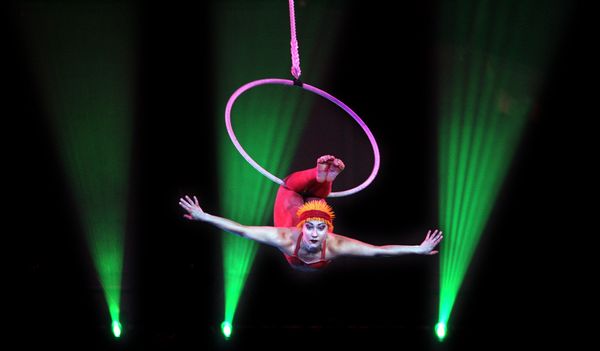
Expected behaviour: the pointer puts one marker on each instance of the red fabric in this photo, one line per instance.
(299, 187)
(314, 214)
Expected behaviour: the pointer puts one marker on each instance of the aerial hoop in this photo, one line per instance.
(277, 81)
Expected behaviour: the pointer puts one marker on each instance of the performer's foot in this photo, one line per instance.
(328, 167)
(336, 168)
(323, 164)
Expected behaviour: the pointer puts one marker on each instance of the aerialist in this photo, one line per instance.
(303, 220)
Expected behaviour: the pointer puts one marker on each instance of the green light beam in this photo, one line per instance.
(493, 56)
(268, 121)
(83, 56)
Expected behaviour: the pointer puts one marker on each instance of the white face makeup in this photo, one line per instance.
(314, 232)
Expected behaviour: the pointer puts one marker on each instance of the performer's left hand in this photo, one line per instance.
(430, 242)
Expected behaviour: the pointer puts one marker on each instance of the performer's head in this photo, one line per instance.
(316, 220)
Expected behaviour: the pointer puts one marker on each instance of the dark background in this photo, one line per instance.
(523, 286)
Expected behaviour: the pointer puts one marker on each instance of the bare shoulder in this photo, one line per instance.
(344, 246)
(336, 243)
(286, 238)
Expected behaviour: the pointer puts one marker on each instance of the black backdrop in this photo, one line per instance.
(523, 283)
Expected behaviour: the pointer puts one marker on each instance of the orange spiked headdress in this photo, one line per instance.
(316, 210)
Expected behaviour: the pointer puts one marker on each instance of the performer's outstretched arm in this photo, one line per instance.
(273, 236)
(351, 247)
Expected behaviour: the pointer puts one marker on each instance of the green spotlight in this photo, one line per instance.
(440, 330)
(226, 329)
(268, 120)
(116, 329)
(84, 61)
(493, 57)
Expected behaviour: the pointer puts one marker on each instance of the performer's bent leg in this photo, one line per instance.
(298, 186)
(303, 186)
(305, 183)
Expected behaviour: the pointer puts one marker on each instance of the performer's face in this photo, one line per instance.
(314, 232)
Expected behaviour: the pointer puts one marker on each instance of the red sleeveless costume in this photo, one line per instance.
(298, 188)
